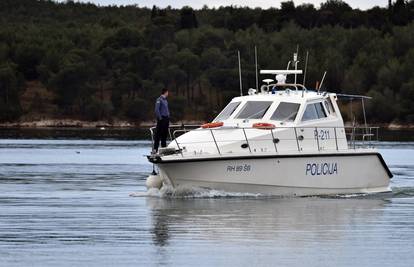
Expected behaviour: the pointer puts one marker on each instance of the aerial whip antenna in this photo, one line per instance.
(323, 78)
(255, 59)
(306, 68)
(295, 60)
(240, 77)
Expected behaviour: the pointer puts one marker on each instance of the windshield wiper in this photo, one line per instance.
(260, 111)
(288, 117)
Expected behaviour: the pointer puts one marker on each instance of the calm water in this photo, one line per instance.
(67, 203)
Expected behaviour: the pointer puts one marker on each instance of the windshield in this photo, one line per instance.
(314, 112)
(227, 111)
(254, 110)
(285, 112)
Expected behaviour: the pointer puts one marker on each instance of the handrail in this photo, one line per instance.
(355, 137)
(275, 85)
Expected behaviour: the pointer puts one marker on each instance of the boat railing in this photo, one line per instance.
(298, 138)
(273, 86)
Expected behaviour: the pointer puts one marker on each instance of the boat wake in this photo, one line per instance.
(402, 192)
(397, 192)
(192, 192)
(197, 192)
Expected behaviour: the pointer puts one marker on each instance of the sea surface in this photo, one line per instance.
(79, 199)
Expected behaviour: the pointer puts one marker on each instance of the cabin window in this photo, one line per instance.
(227, 111)
(285, 112)
(254, 110)
(314, 112)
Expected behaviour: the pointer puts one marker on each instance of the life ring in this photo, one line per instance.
(264, 125)
(212, 125)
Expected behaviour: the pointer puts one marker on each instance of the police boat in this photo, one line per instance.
(282, 139)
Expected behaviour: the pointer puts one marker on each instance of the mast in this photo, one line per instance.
(306, 68)
(295, 60)
(255, 61)
(240, 77)
(323, 78)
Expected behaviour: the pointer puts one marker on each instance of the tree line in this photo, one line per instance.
(111, 62)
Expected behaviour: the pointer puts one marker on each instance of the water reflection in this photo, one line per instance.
(160, 229)
(301, 219)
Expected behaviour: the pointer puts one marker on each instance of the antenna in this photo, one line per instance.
(255, 60)
(365, 117)
(323, 78)
(240, 77)
(306, 68)
(296, 68)
(295, 61)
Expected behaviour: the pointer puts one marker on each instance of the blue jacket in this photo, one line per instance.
(161, 108)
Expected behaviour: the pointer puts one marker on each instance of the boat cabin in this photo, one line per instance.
(278, 117)
(282, 108)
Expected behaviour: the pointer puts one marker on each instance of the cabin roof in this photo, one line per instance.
(284, 95)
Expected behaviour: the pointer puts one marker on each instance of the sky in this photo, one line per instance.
(361, 4)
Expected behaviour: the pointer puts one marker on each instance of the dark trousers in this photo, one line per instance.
(161, 133)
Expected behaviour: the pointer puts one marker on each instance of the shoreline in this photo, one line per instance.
(121, 124)
(80, 124)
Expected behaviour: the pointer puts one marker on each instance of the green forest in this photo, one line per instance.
(78, 60)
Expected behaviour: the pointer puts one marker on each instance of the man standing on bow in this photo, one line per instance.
(163, 120)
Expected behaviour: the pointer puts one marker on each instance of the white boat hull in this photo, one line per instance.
(285, 175)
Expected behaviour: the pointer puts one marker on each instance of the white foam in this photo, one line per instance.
(152, 192)
(185, 192)
(352, 195)
(191, 192)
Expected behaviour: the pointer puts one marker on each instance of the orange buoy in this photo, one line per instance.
(263, 125)
(212, 125)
